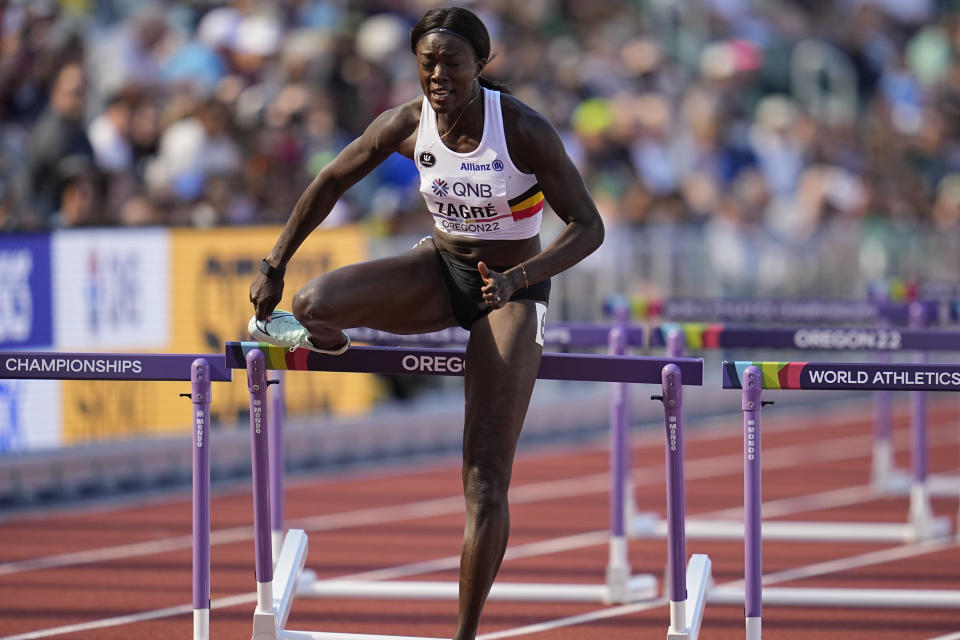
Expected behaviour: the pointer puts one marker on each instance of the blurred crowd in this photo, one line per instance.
(780, 114)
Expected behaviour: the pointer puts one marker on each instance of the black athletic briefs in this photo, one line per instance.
(464, 285)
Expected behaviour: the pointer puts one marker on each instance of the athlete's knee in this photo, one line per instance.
(312, 304)
(485, 488)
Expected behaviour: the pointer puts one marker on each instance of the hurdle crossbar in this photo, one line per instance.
(200, 370)
(451, 362)
(52, 365)
(567, 334)
(270, 613)
(752, 378)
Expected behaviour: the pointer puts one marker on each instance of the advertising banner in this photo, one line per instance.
(26, 319)
(143, 291)
(111, 289)
(210, 278)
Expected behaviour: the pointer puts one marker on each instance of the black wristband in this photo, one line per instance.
(273, 273)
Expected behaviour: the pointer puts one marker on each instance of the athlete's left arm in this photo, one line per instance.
(542, 153)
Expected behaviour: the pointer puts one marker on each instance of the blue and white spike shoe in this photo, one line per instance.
(283, 330)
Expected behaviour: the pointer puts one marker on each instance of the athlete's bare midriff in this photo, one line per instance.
(504, 253)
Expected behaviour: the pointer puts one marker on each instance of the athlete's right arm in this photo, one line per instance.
(391, 130)
(381, 138)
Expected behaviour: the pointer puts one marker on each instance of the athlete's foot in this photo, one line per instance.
(335, 351)
(283, 330)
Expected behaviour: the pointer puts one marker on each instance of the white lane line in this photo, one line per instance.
(949, 636)
(530, 549)
(863, 560)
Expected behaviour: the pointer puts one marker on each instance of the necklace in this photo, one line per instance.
(472, 100)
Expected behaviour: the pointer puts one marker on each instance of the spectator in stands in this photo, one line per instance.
(109, 135)
(58, 139)
(713, 93)
(79, 194)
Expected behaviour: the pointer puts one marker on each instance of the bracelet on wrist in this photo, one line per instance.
(272, 272)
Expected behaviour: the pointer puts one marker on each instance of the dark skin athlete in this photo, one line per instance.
(406, 294)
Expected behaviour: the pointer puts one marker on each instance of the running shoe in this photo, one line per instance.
(283, 330)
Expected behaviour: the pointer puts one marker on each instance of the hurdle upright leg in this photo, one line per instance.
(621, 488)
(200, 395)
(264, 618)
(883, 472)
(688, 582)
(921, 512)
(753, 557)
(275, 415)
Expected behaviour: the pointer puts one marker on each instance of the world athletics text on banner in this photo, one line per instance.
(26, 318)
(211, 275)
(846, 376)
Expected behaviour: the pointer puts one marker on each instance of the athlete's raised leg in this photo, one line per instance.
(401, 294)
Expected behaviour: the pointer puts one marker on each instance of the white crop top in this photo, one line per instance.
(480, 194)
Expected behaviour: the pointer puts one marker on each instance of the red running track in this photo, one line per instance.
(116, 572)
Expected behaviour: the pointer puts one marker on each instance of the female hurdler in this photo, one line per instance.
(487, 164)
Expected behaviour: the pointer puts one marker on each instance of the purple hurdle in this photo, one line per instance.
(275, 417)
(274, 601)
(920, 522)
(751, 378)
(921, 511)
(686, 612)
(752, 500)
(200, 370)
(618, 566)
(200, 395)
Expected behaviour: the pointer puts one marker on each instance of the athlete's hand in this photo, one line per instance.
(497, 287)
(265, 294)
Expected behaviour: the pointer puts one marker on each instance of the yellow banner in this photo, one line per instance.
(210, 276)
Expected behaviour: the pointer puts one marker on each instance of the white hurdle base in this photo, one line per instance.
(686, 617)
(640, 587)
(652, 526)
(268, 623)
(326, 635)
(899, 482)
(836, 597)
